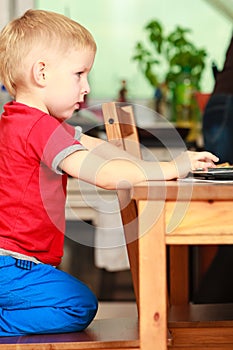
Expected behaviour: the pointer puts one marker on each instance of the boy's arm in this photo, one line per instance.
(118, 172)
(104, 149)
(107, 166)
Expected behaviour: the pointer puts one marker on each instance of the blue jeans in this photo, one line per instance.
(37, 298)
(218, 127)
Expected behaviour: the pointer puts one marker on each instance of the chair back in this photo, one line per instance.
(121, 130)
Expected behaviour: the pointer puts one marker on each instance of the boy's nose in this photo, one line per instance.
(86, 88)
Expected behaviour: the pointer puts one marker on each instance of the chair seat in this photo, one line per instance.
(101, 334)
(115, 333)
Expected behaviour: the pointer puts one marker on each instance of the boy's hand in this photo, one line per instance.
(190, 161)
(202, 160)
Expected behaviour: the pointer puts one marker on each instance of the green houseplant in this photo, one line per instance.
(181, 62)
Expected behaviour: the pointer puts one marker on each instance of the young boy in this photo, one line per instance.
(45, 60)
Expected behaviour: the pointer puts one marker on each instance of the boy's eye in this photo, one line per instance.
(79, 74)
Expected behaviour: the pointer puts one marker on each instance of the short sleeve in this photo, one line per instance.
(51, 140)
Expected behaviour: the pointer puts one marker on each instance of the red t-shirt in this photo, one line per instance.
(32, 188)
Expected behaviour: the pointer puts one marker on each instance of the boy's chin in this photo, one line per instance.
(65, 116)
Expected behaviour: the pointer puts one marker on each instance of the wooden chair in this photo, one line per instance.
(122, 131)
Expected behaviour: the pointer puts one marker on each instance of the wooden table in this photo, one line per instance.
(174, 212)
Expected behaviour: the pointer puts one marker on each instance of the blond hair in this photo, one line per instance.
(37, 29)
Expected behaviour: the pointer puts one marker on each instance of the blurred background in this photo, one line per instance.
(117, 25)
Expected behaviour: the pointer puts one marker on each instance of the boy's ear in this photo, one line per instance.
(38, 71)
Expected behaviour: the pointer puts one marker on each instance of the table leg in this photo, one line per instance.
(152, 276)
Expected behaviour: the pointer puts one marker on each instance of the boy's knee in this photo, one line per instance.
(88, 316)
(87, 311)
